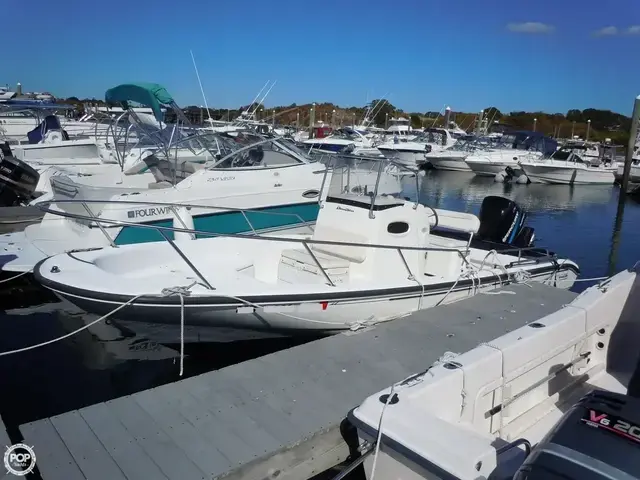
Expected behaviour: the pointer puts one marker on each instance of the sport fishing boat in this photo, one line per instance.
(567, 167)
(524, 146)
(557, 398)
(368, 259)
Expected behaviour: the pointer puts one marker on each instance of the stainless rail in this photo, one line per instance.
(304, 241)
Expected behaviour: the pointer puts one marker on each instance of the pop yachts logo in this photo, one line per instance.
(19, 459)
(148, 212)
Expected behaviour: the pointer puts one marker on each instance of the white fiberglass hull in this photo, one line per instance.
(404, 157)
(490, 169)
(634, 173)
(452, 421)
(449, 161)
(566, 173)
(275, 298)
(288, 317)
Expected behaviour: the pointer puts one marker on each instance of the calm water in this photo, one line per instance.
(583, 223)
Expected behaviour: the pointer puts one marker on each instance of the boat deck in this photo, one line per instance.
(276, 416)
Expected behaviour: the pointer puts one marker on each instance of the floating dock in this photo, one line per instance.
(278, 416)
(4, 444)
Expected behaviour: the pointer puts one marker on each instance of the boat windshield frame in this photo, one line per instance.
(246, 150)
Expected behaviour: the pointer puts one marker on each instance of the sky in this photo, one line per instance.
(543, 55)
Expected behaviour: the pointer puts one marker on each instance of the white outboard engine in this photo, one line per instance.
(18, 180)
(502, 221)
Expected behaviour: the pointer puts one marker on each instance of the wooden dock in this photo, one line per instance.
(278, 416)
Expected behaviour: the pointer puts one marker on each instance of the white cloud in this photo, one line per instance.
(530, 27)
(606, 32)
(633, 30)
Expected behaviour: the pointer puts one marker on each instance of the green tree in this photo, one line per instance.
(416, 121)
(383, 109)
(492, 114)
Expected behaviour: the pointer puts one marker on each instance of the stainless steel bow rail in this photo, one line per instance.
(542, 254)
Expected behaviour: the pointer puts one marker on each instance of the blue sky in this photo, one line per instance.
(549, 55)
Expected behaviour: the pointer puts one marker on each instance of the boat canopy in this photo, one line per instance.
(530, 140)
(150, 94)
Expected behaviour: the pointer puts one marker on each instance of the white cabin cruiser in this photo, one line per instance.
(453, 158)
(524, 146)
(344, 140)
(400, 126)
(278, 187)
(412, 151)
(367, 260)
(558, 398)
(567, 167)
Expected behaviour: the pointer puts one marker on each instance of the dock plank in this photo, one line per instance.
(123, 448)
(88, 452)
(52, 455)
(279, 415)
(4, 443)
(168, 455)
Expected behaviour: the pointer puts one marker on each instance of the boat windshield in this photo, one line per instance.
(270, 152)
(346, 134)
(435, 135)
(568, 154)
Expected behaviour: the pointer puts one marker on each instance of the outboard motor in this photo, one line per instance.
(597, 438)
(502, 221)
(18, 180)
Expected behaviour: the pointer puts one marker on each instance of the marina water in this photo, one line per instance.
(584, 223)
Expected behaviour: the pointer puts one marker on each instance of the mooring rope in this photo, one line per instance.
(16, 276)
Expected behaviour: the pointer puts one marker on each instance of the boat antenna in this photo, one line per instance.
(202, 89)
(495, 112)
(261, 102)
(256, 97)
(438, 116)
(380, 104)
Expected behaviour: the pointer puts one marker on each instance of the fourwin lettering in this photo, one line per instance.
(148, 212)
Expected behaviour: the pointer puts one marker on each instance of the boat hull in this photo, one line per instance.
(290, 315)
(455, 164)
(490, 169)
(404, 157)
(568, 175)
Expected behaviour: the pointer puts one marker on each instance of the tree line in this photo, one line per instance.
(601, 124)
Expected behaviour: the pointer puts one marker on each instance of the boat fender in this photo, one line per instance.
(522, 179)
(183, 219)
(500, 177)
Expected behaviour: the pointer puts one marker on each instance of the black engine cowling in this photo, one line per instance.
(502, 221)
(18, 180)
(598, 438)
